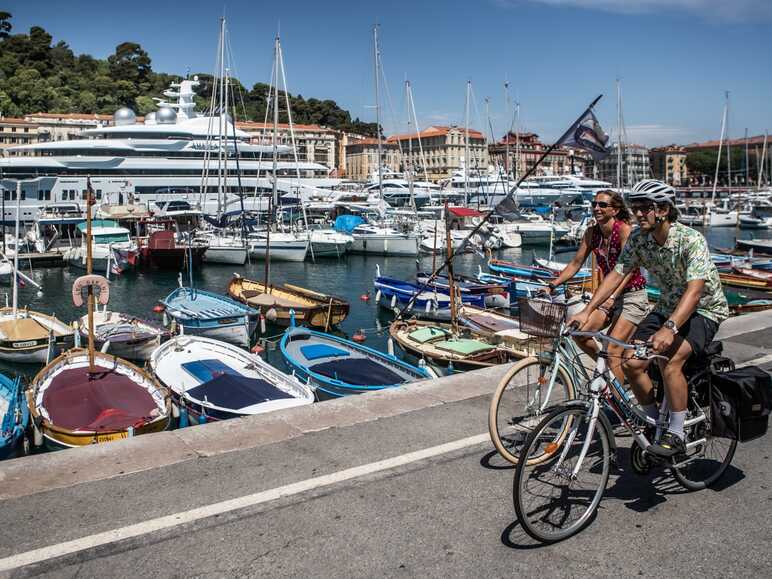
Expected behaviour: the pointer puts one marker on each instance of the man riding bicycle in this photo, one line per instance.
(690, 308)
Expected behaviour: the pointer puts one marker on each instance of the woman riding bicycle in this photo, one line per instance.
(628, 304)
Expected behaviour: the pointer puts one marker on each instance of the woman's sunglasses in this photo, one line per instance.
(601, 204)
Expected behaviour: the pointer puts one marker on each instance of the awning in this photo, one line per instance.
(464, 212)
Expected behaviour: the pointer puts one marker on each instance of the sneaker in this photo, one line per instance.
(668, 446)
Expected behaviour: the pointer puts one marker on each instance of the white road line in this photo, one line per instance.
(757, 362)
(176, 519)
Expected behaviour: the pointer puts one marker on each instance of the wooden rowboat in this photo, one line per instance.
(311, 308)
(745, 281)
(438, 345)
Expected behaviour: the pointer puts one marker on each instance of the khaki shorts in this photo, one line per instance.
(633, 306)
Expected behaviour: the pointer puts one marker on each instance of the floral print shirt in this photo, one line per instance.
(684, 257)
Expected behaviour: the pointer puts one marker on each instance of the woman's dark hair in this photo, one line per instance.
(618, 202)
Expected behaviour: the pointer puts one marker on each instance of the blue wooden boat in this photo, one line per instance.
(429, 303)
(340, 367)
(518, 287)
(495, 293)
(509, 268)
(211, 315)
(15, 417)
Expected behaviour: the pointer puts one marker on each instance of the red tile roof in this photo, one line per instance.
(15, 121)
(436, 131)
(72, 116)
(247, 125)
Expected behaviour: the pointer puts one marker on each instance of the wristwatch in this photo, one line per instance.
(670, 325)
(551, 286)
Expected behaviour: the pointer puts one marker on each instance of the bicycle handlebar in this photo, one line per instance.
(642, 351)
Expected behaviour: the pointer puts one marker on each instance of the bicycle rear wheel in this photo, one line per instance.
(551, 503)
(520, 402)
(706, 462)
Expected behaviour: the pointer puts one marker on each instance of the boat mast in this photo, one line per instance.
(411, 187)
(451, 285)
(220, 150)
(16, 253)
(747, 161)
(275, 163)
(377, 62)
(760, 164)
(720, 147)
(619, 135)
(517, 141)
(508, 104)
(728, 148)
(467, 164)
(89, 270)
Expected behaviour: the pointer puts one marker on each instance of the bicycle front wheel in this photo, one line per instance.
(521, 400)
(557, 497)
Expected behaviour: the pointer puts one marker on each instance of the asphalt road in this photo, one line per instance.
(445, 515)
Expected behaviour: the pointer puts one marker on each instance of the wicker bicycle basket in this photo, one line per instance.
(541, 318)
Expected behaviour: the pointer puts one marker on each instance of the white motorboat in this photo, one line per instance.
(377, 240)
(216, 381)
(225, 249)
(283, 246)
(111, 245)
(329, 243)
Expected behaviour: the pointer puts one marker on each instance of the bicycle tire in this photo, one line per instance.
(507, 435)
(708, 463)
(546, 523)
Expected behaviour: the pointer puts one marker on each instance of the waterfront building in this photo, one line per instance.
(668, 164)
(15, 132)
(313, 143)
(362, 158)
(635, 165)
(701, 161)
(443, 151)
(525, 149)
(65, 126)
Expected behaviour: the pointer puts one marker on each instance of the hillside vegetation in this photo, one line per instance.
(38, 76)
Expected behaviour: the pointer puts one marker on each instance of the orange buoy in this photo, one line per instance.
(359, 336)
(257, 349)
(365, 297)
(158, 308)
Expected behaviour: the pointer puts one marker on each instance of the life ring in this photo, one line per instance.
(87, 281)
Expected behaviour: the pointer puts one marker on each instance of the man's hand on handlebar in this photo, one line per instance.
(662, 340)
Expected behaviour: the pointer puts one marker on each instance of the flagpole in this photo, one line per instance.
(488, 214)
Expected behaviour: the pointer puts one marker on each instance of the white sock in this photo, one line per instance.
(650, 410)
(676, 425)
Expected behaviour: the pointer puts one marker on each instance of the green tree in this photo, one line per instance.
(130, 62)
(145, 105)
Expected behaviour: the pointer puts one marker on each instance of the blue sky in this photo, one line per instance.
(675, 57)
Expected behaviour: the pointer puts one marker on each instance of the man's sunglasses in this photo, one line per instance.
(601, 204)
(642, 209)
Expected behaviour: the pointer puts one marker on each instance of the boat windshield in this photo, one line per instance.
(108, 238)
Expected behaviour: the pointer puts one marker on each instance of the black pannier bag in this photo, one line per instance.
(740, 401)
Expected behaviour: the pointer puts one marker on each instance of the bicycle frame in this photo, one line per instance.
(600, 390)
(564, 350)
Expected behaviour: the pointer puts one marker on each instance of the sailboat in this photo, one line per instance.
(376, 238)
(25, 335)
(717, 216)
(86, 397)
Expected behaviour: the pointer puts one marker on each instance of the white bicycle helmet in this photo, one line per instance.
(652, 190)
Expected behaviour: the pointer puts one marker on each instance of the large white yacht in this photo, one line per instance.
(158, 160)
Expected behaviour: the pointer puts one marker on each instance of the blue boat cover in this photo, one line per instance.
(347, 223)
(206, 370)
(316, 351)
(229, 391)
(361, 371)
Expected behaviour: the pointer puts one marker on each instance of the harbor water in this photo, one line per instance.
(351, 277)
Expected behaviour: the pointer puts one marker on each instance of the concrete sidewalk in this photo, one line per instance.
(440, 515)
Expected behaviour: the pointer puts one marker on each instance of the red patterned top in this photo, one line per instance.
(607, 255)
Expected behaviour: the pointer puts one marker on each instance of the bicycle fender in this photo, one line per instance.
(612, 443)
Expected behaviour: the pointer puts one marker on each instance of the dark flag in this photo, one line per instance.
(588, 135)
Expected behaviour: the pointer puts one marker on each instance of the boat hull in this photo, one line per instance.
(226, 255)
(385, 245)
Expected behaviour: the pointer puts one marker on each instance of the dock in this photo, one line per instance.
(402, 482)
(40, 260)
